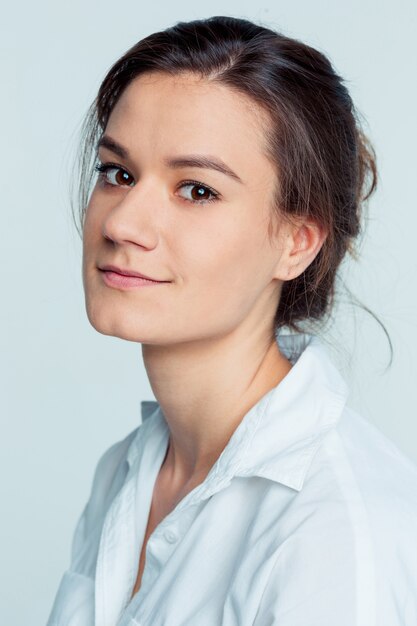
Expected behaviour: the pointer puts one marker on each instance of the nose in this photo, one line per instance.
(132, 219)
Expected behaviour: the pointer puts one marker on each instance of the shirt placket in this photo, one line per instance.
(116, 558)
(161, 545)
(123, 528)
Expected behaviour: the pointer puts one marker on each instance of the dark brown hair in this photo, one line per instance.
(326, 166)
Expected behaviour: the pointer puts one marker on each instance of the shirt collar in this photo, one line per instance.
(279, 435)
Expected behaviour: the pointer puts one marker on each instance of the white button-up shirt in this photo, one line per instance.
(307, 518)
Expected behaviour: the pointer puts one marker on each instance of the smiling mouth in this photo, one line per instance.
(121, 281)
(127, 272)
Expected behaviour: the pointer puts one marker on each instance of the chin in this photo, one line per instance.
(113, 325)
(105, 325)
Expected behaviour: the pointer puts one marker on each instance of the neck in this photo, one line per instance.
(205, 389)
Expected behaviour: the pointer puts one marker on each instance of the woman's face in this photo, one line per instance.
(202, 231)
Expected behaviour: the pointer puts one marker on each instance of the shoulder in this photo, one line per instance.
(115, 455)
(384, 480)
(108, 478)
(110, 474)
(370, 481)
(384, 476)
(114, 461)
(111, 471)
(367, 490)
(347, 538)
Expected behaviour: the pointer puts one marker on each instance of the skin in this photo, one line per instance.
(206, 336)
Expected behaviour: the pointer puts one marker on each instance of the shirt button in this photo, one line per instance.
(170, 536)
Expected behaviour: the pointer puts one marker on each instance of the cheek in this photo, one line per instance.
(91, 243)
(87, 226)
(87, 241)
(93, 227)
(93, 213)
(227, 269)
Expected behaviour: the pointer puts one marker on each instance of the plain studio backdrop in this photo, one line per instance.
(68, 392)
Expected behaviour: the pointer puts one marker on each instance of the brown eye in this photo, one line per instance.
(114, 175)
(200, 194)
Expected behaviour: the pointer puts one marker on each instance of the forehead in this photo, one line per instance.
(192, 112)
(192, 94)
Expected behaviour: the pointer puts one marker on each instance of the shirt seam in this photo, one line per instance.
(364, 546)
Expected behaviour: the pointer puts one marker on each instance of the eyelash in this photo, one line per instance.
(103, 168)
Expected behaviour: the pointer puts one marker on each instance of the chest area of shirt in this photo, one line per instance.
(200, 563)
(203, 555)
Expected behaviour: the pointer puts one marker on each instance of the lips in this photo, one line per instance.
(127, 272)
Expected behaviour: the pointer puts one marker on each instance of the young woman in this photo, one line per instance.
(232, 176)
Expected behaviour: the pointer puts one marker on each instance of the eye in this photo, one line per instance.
(119, 176)
(113, 175)
(200, 192)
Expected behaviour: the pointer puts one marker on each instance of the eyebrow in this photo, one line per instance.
(185, 160)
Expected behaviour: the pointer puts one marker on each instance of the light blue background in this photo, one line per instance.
(68, 392)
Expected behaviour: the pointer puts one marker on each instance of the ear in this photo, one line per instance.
(301, 242)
